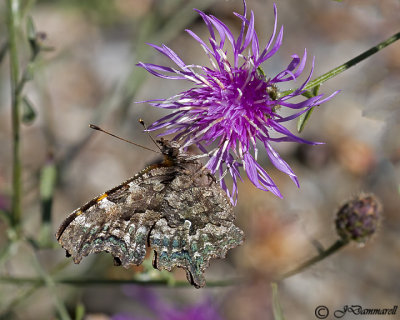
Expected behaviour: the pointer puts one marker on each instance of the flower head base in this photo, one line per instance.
(233, 104)
(359, 218)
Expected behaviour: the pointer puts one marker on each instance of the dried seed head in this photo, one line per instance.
(359, 218)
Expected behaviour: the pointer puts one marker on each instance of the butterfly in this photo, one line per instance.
(175, 207)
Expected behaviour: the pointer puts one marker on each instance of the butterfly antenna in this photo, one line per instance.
(145, 128)
(113, 135)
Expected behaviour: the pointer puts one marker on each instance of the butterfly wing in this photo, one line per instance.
(117, 221)
(197, 224)
(179, 211)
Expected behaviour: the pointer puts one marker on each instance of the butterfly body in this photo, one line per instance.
(175, 207)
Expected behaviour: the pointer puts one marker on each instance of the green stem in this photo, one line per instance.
(50, 284)
(12, 24)
(276, 304)
(27, 293)
(6, 252)
(7, 313)
(88, 282)
(352, 62)
(332, 249)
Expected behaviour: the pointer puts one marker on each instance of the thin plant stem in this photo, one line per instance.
(332, 249)
(276, 304)
(30, 291)
(90, 282)
(12, 25)
(6, 252)
(5, 314)
(50, 284)
(27, 6)
(352, 62)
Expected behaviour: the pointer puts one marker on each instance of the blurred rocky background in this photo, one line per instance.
(90, 77)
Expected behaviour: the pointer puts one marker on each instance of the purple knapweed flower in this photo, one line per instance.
(233, 103)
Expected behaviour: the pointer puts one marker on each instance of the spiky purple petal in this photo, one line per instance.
(232, 104)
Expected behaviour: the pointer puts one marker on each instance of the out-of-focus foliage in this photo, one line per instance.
(90, 77)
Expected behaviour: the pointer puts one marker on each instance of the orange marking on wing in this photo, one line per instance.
(102, 197)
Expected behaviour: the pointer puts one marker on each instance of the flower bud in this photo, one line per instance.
(359, 218)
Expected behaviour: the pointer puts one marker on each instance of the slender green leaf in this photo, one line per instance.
(315, 90)
(79, 311)
(276, 305)
(48, 179)
(33, 37)
(3, 51)
(307, 94)
(306, 116)
(28, 111)
(301, 123)
(30, 29)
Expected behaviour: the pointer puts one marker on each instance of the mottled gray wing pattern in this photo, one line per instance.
(178, 210)
(117, 221)
(206, 231)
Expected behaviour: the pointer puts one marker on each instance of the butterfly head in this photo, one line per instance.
(170, 150)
